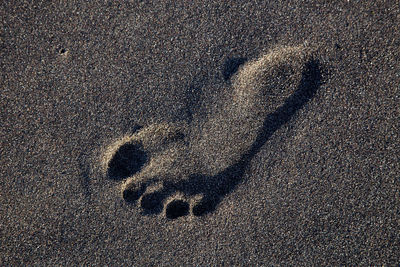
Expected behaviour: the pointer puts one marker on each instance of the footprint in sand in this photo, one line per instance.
(168, 169)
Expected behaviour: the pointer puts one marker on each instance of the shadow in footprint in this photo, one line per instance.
(214, 188)
(177, 208)
(128, 160)
(231, 66)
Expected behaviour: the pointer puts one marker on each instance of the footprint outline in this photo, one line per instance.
(174, 165)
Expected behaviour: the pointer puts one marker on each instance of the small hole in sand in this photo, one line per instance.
(177, 208)
(62, 51)
(128, 160)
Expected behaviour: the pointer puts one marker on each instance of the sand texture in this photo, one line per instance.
(200, 133)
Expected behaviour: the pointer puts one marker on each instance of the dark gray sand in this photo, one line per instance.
(208, 133)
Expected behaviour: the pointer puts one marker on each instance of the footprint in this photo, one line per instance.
(167, 169)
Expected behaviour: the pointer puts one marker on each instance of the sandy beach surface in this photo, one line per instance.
(200, 133)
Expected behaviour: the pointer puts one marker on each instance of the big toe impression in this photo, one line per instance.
(127, 160)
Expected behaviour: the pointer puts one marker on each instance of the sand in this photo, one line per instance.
(201, 134)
